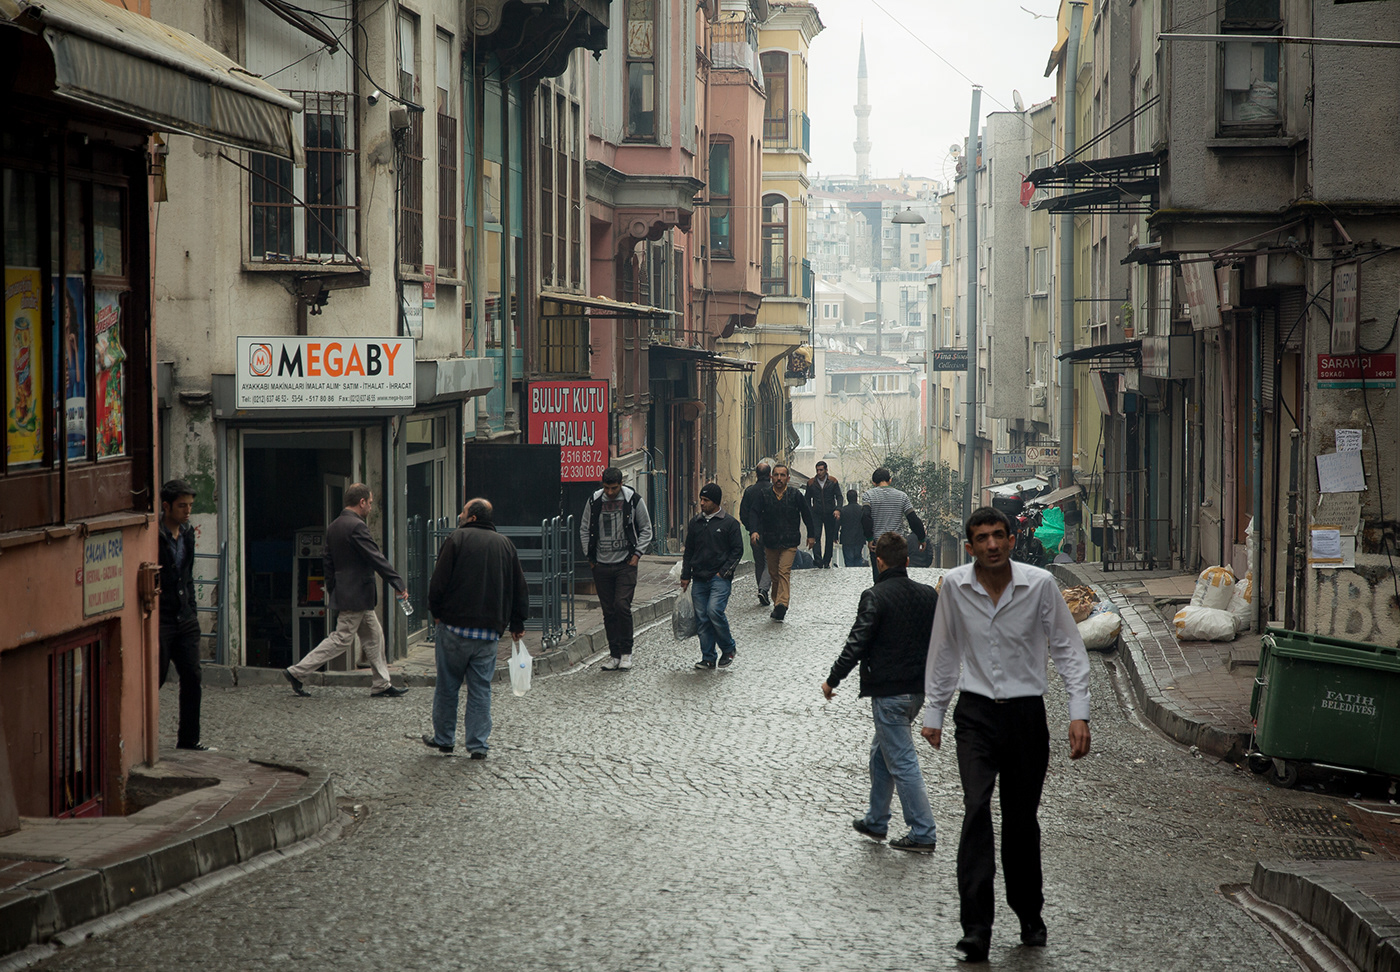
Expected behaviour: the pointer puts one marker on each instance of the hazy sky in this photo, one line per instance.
(920, 104)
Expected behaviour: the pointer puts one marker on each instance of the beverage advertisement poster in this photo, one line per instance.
(73, 335)
(108, 356)
(24, 376)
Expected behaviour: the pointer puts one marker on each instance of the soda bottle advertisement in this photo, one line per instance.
(23, 374)
(73, 334)
(108, 355)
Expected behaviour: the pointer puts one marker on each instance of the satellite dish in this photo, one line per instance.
(1016, 100)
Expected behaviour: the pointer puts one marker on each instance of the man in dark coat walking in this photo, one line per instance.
(748, 510)
(351, 561)
(824, 497)
(179, 620)
(780, 515)
(889, 641)
(713, 548)
(477, 592)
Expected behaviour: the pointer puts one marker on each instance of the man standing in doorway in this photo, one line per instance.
(889, 642)
(779, 518)
(824, 497)
(889, 509)
(997, 619)
(351, 561)
(478, 591)
(713, 548)
(615, 529)
(179, 620)
(748, 512)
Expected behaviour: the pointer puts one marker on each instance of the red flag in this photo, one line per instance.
(1027, 191)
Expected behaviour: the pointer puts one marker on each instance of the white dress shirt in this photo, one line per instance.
(1001, 647)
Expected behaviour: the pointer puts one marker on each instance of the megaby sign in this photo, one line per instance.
(324, 372)
(574, 416)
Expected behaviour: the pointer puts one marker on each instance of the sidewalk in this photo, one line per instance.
(1198, 694)
(57, 875)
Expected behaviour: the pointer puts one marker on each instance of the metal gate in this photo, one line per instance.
(426, 535)
(220, 584)
(1130, 537)
(75, 730)
(547, 557)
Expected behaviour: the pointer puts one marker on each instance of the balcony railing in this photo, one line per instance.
(734, 45)
(791, 133)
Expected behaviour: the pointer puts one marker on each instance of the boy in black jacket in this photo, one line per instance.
(713, 548)
(890, 642)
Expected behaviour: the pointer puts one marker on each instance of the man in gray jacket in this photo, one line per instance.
(615, 528)
(351, 561)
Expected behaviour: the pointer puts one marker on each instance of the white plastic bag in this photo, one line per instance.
(675, 572)
(1242, 603)
(1213, 588)
(683, 617)
(521, 667)
(1100, 630)
(1204, 624)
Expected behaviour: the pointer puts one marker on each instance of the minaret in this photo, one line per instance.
(862, 143)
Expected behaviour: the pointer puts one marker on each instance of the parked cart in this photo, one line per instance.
(1326, 702)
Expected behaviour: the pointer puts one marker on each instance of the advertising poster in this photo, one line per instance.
(324, 372)
(73, 335)
(24, 378)
(108, 356)
(574, 416)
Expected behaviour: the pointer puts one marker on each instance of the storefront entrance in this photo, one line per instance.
(293, 486)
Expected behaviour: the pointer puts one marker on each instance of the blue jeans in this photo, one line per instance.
(893, 764)
(474, 660)
(710, 598)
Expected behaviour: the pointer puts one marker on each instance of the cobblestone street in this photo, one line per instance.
(669, 818)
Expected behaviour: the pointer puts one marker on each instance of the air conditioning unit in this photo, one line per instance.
(1038, 394)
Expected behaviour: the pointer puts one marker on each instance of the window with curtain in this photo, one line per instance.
(641, 70)
(721, 197)
(774, 248)
(1249, 70)
(411, 158)
(447, 72)
(775, 86)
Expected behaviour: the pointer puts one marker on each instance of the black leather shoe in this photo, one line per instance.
(478, 755)
(392, 692)
(1033, 934)
(297, 687)
(430, 744)
(972, 949)
(861, 827)
(779, 612)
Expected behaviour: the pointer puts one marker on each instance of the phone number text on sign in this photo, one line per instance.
(574, 416)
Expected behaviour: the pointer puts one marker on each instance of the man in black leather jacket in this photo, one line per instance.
(713, 548)
(889, 641)
(179, 620)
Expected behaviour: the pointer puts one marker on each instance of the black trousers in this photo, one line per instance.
(616, 584)
(1009, 739)
(179, 643)
(831, 529)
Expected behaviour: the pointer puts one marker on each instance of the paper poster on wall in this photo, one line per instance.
(73, 337)
(1343, 509)
(1348, 440)
(24, 379)
(108, 355)
(1326, 546)
(1340, 472)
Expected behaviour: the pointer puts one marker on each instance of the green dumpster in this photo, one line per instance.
(1325, 700)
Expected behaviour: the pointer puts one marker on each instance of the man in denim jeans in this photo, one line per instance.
(889, 640)
(713, 548)
(477, 591)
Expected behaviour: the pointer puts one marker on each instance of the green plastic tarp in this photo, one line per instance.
(1052, 528)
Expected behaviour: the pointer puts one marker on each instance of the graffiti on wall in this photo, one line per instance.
(1357, 604)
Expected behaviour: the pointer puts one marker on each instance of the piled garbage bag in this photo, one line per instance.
(1081, 601)
(1196, 623)
(1101, 628)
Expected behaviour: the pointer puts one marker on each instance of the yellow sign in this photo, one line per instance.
(24, 373)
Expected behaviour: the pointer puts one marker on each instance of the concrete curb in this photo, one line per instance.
(1367, 932)
(566, 656)
(1165, 714)
(37, 911)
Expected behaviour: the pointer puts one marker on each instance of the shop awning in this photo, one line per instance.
(1015, 489)
(109, 58)
(702, 358)
(1118, 184)
(1058, 496)
(1124, 349)
(611, 308)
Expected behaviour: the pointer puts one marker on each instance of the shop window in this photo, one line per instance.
(774, 255)
(775, 106)
(1249, 70)
(446, 66)
(721, 198)
(641, 70)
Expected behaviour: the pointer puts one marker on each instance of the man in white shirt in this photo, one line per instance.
(997, 620)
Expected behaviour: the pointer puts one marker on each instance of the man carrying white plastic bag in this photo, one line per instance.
(478, 591)
(522, 666)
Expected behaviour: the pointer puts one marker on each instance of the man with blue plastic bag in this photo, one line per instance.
(713, 548)
(478, 590)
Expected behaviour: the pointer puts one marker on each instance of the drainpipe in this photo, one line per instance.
(1071, 68)
(1293, 564)
(1257, 366)
(1229, 500)
(970, 451)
